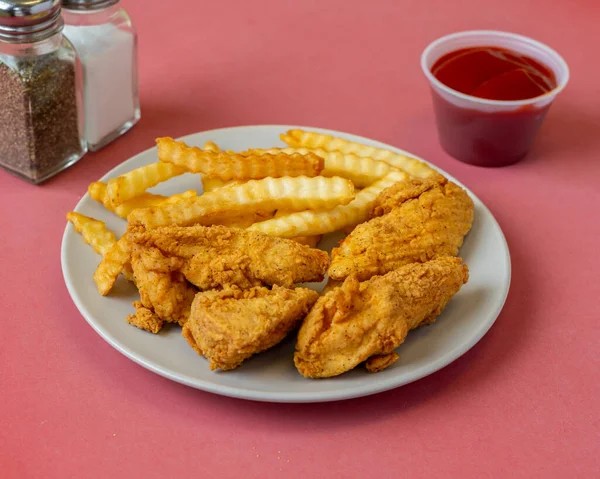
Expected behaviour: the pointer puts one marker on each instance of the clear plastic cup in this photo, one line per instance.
(490, 132)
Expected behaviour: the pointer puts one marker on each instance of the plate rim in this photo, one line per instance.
(385, 384)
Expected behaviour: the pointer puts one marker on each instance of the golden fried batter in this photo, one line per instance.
(231, 325)
(412, 221)
(378, 363)
(145, 319)
(163, 289)
(217, 256)
(357, 321)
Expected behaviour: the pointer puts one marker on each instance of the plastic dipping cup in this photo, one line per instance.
(490, 132)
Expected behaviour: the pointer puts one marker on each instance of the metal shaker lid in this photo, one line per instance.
(29, 20)
(87, 4)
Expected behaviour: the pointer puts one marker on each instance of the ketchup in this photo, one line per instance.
(490, 138)
(494, 73)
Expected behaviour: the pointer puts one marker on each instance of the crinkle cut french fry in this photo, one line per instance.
(231, 166)
(145, 200)
(269, 194)
(244, 221)
(211, 146)
(97, 190)
(179, 196)
(309, 223)
(111, 266)
(311, 241)
(136, 182)
(209, 184)
(212, 184)
(94, 232)
(312, 140)
(362, 171)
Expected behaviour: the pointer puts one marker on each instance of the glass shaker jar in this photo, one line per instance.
(106, 42)
(41, 122)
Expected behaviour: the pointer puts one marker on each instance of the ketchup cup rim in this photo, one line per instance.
(496, 33)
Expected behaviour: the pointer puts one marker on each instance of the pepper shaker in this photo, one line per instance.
(41, 121)
(105, 39)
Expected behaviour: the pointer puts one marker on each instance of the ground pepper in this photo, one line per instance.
(39, 127)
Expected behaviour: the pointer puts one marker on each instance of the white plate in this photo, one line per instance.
(271, 376)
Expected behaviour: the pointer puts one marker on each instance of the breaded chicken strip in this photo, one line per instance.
(229, 326)
(163, 289)
(217, 256)
(144, 318)
(412, 221)
(367, 321)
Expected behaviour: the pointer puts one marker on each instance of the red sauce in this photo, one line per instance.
(490, 138)
(494, 73)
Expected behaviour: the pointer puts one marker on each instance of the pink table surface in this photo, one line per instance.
(524, 402)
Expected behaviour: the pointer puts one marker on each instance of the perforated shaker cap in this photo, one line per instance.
(29, 20)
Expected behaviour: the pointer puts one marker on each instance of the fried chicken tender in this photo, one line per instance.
(164, 291)
(229, 326)
(378, 363)
(358, 321)
(412, 221)
(403, 191)
(217, 256)
(144, 318)
(331, 284)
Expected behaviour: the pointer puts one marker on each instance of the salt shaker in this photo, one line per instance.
(41, 122)
(104, 37)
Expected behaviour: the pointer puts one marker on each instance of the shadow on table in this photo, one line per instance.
(163, 119)
(565, 134)
(477, 369)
